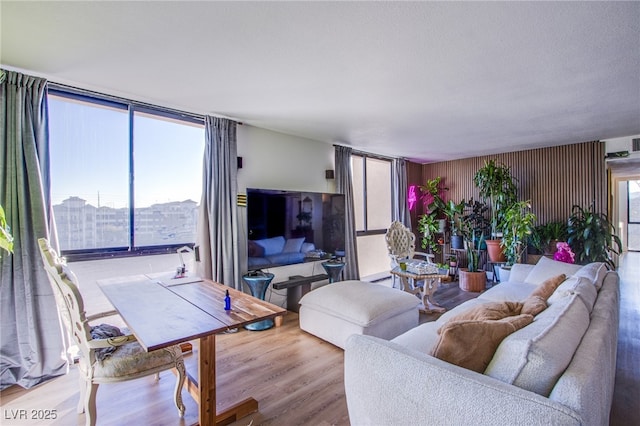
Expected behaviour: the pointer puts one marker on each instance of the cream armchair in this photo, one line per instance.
(401, 244)
(109, 359)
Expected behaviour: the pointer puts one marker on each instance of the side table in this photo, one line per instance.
(333, 268)
(258, 282)
(425, 293)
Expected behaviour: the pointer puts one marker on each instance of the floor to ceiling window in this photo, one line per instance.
(124, 177)
(633, 210)
(372, 205)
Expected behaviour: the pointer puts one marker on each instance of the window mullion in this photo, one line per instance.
(132, 239)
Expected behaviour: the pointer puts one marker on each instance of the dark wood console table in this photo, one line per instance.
(297, 286)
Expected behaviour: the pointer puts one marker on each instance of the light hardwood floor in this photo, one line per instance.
(297, 378)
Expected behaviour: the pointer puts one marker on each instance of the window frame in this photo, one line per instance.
(364, 156)
(131, 107)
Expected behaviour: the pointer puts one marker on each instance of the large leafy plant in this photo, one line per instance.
(428, 228)
(6, 240)
(498, 187)
(518, 225)
(592, 237)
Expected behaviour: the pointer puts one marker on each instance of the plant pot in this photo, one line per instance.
(457, 242)
(503, 273)
(495, 251)
(532, 259)
(472, 281)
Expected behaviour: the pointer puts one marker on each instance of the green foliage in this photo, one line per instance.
(473, 255)
(592, 237)
(543, 235)
(475, 223)
(498, 186)
(6, 240)
(433, 192)
(428, 228)
(453, 212)
(518, 223)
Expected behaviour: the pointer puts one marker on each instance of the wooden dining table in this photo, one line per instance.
(161, 311)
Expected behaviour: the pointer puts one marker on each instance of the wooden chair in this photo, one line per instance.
(128, 361)
(401, 244)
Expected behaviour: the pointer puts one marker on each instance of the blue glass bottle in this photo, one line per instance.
(227, 302)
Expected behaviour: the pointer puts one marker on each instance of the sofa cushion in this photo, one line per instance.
(420, 338)
(471, 344)
(583, 287)
(375, 302)
(272, 245)
(293, 245)
(595, 272)
(508, 291)
(547, 268)
(534, 357)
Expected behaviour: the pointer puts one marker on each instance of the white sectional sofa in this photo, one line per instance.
(558, 370)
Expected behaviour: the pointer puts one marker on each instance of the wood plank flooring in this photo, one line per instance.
(297, 378)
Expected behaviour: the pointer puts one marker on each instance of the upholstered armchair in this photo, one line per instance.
(106, 354)
(401, 244)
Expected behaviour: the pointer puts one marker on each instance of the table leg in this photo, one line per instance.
(204, 391)
(430, 287)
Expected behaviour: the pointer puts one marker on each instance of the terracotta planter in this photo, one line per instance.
(472, 281)
(495, 251)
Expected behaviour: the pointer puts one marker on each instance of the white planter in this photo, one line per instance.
(503, 274)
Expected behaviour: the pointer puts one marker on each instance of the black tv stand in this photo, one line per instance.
(297, 286)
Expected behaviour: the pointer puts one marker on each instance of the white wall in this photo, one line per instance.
(619, 144)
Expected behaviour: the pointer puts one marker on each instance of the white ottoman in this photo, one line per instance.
(336, 311)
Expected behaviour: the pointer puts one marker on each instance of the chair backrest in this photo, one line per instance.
(401, 242)
(68, 299)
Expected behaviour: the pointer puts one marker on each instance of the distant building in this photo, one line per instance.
(82, 226)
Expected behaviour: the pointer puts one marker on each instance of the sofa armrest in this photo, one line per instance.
(386, 383)
(519, 272)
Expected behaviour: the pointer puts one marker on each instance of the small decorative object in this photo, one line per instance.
(564, 253)
(403, 266)
(227, 301)
(419, 267)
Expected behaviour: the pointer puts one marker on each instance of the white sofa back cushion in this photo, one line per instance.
(595, 272)
(533, 358)
(547, 268)
(581, 286)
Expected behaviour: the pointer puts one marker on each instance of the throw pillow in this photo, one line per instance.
(546, 288)
(254, 249)
(536, 302)
(489, 311)
(293, 245)
(471, 344)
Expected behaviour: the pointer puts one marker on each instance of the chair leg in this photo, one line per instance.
(90, 404)
(157, 376)
(83, 391)
(180, 377)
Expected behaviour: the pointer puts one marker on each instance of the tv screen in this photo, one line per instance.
(287, 227)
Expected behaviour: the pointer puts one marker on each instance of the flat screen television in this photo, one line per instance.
(287, 227)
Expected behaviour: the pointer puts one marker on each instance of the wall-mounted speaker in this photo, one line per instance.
(239, 162)
(328, 174)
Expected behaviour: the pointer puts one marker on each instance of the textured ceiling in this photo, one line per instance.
(425, 80)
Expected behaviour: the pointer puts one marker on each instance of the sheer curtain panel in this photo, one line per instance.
(344, 186)
(31, 346)
(217, 232)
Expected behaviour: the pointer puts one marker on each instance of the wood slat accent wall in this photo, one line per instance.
(554, 179)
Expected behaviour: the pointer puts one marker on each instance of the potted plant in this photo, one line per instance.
(498, 187)
(592, 237)
(552, 233)
(453, 212)
(443, 268)
(6, 240)
(428, 228)
(472, 278)
(518, 224)
(432, 197)
(476, 218)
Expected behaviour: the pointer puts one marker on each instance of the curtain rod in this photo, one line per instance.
(113, 98)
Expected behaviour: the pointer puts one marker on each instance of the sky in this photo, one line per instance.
(90, 156)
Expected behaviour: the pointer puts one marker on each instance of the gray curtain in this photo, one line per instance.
(344, 186)
(31, 345)
(217, 233)
(400, 209)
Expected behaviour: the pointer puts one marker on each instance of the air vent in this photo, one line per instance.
(635, 144)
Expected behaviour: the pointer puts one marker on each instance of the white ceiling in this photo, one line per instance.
(428, 81)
